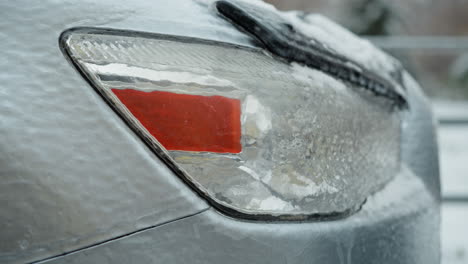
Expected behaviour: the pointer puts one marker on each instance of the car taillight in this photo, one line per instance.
(256, 136)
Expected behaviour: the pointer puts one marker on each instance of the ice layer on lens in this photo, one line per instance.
(310, 144)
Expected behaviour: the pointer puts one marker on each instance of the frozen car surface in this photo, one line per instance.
(79, 186)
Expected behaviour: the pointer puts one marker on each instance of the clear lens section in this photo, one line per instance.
(253, 133)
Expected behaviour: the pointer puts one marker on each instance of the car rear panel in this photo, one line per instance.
(77, 181)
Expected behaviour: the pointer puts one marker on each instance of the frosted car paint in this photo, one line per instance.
(74, 176)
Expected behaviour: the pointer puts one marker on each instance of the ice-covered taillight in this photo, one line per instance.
(254, 135)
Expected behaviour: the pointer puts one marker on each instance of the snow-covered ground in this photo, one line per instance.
(455, 233)
(453, 144)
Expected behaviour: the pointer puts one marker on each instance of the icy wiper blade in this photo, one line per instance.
(283, 40)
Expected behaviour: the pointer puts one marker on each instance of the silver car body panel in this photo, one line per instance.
(372, 235)
(75, 179)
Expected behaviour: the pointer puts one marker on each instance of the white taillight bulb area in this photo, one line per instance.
(255, 135)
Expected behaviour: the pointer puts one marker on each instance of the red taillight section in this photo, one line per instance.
(187, 122)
